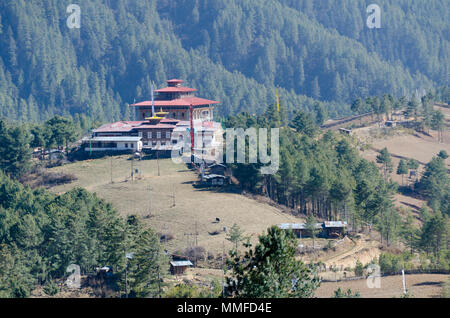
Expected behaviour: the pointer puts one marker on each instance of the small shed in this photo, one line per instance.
(179, 267)
(390, 123)
(299, 229)
(218, 168)
(105, 271)
(346, 131)
(334, 228)
(215, 180)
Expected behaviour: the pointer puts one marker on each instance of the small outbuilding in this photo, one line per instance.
(299, 229)
(179, 267)
(334, 228)
(218, 168)
(215, 180)
(390, 123)
(326, 229)
(346, 131)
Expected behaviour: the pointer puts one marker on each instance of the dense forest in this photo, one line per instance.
(56, 83)
(232, 51)
(322, 175)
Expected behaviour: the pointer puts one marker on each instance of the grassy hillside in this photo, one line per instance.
(155, 206)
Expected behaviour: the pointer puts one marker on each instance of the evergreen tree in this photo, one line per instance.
(148, 265)
(385, 159)
(15, 153)
(271, 270)
(235, 235)
(434, 234)
(402, 168)
(438, 124)
(304, 123)
(311, 223)
(435, 185)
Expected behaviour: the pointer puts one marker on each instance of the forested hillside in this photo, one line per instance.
(233, 51)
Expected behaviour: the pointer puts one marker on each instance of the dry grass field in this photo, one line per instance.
(404, 144)
(418, 285)
(195, 210)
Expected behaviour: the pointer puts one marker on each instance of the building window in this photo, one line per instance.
(149, 135)
(182, 115)
(126, 145)
(132, 145)
(174, 115)
(167, 134)
(158, 135)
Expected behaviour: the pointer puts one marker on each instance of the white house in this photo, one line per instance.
(116, 143)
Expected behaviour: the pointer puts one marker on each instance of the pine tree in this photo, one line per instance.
(438, 124)
(148, 266)
(304, 123)
(271, 270)
(385, 159)
(402, 169)
(235, 235)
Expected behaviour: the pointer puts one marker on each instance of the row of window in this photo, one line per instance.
(107, 145)
(149, 135)
(153, 143)
(204, 114)
(174, 115)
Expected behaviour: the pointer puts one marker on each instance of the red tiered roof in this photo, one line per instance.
(128, 126)
(175, 81)
(175, 89)
(184, 101)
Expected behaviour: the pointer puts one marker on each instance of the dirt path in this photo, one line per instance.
(362, 250)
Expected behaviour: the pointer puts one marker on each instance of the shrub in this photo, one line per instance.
(165, 237)
(359, 268)
(50, 288)
(348, 294)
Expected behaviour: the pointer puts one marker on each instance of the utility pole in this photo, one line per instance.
(404, 281)
(165, 234)
(173, 196)
(187, 239)
(157, 161)
(132, 169)
(111, 169)
(196, 234)
(126, 277)
(192, 131)
(223, 270)
(150, 201)
(196, 244)
(159, 277)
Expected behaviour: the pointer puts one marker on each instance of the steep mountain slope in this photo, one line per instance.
(278, 44)
(232, 51)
